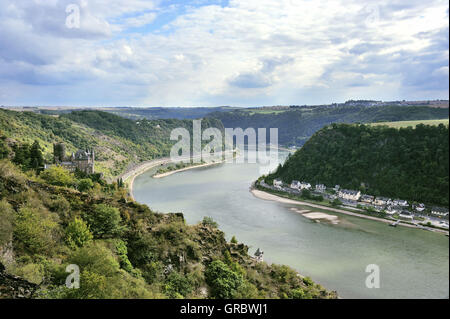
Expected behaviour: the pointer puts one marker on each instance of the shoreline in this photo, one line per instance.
(130, 175)
(162, 175)
(271, 197)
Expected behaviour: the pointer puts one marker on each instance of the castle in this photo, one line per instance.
(83, 160)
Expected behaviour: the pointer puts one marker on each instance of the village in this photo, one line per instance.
(396, 209)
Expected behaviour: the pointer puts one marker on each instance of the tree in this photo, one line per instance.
(223, 282)
(78, 233)
(104, 220)
(208, 221)
(58, 176)
(35, 231)
(85, 184)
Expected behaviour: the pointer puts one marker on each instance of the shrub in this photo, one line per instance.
(58, 176)
(85, 184)
(223, 281)
(35, 231)
(104, 220)
(177, 285)
(208, 221)
(78, 233)
(6, 222)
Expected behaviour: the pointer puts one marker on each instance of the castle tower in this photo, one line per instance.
(59, 152)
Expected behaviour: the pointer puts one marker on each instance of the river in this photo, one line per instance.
(413, 263)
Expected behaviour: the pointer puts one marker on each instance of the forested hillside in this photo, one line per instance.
(406, 163)
(296, 126)
(118, 142)
(54, 218)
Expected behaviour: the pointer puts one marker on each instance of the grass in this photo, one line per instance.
(400, 124)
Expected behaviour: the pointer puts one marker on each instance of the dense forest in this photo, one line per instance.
(119, 143)
(407, 163)
(296, 126)
(54, 218)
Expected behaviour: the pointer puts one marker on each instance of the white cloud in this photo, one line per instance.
(246, 53)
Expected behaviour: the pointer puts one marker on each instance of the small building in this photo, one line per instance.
(337, 188)
(304, 185)
(420, 208)
(321, 188)
(367, 199)
(439, 212)
(349, 194)
(82, 160)
(382, 201)
(259, 254)
(295, 184)
(400, 202)
(277, 182)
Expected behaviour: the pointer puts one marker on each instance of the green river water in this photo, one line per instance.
(413, 263)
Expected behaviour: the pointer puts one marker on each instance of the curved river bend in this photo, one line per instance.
(413, 263)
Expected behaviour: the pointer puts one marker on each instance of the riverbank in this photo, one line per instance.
(268, 196)
(161, 175)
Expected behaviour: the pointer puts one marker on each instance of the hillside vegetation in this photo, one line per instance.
(407, 163)
(118, 142)
(123, 249)
(296, 126)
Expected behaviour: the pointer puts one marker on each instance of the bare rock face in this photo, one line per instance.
(12, 287)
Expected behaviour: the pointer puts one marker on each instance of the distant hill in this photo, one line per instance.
(297, 125)
(118, 142)
(406, 163)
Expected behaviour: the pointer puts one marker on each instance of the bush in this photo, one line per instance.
(6, 222)
(58, 176)
(35, 232)
(224, 283)
(177, 285)
(85, 184)
(104, 220)
(208, 221)
(78, 233)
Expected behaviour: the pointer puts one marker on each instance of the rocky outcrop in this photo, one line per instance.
(12, 287)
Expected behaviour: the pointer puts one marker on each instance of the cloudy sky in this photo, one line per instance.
(221, 52)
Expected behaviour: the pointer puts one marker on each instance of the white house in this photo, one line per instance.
(420, 208)
(321, 188)
(349, 194)
(277, 182)
(300, 185)
(304, 185)
(439, 212)
(400, 202)
(367, 199)
(382, 201)
(295, 184)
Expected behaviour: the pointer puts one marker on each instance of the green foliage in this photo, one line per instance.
(78, 233)
(58, 176)
(6, 222)
(85, 184)
(234, 240)
(406, 163)
(104, 220)
(336, 202)
(35, 231)
(223, 282)
(209, 221)
(295, 127)
(177, 285)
